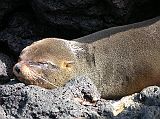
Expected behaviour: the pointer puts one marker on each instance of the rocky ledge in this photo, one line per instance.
(76, 100)
(25, 21)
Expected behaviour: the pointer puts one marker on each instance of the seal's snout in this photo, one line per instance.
(17, 68)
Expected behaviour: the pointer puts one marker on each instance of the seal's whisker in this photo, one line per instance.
(37, 76)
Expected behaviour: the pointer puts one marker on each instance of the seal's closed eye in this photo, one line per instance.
(43, 65)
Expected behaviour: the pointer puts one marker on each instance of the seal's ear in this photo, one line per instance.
(67, 64)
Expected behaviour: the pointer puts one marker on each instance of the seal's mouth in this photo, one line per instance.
(27, 72)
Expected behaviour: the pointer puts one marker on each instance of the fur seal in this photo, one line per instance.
(120, 61)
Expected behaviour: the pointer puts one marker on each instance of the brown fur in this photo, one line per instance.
(120, 63)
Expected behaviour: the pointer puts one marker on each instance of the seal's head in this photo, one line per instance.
(47, 63)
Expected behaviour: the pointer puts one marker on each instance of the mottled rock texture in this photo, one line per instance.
(70, 101)
(84, 17)
(7, 7)
(25, 21)
(6, 64)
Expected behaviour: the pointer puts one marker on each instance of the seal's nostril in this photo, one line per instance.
(17, 69)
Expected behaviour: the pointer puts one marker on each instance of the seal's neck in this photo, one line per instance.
(84, 56)
(85, 60)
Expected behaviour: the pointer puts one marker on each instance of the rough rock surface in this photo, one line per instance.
(7, 7)
(75, 100)
(19, 33)
(84, 17)
(6, 64)
(24, 21)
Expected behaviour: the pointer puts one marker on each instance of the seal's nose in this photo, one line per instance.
(17, 68)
